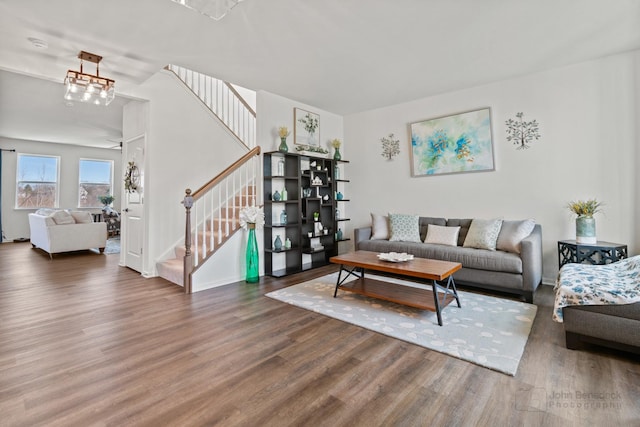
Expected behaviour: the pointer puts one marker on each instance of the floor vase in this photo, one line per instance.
(253, 256)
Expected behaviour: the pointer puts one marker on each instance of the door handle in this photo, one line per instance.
(126, 209)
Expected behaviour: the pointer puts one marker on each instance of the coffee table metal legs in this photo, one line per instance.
(355, 271)
(451, 287)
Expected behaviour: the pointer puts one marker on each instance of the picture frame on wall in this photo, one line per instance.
(456, 143)
(306, 128)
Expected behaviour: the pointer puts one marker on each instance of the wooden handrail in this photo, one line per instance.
(225, 173)
(240, 98)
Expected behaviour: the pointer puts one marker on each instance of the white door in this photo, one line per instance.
(133, 212)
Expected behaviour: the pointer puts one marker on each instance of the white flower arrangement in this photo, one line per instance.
(251, 215)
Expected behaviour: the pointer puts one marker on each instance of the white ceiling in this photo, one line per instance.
(343, 56)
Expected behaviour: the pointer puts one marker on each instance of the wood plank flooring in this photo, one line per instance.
(86, 342)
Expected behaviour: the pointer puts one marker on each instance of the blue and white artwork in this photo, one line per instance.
(452, 144)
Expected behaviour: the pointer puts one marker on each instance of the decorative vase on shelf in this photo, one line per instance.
(287, 243)
(281, 167)
(283, 148)
(283, 218)
(276, 196)
(284, 194)
(277, 244)
(336, 154)
(252, 256)
(586, 230)
(336, 172)
(339, 234)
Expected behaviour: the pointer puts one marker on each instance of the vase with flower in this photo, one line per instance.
(336, 143)
(283, 131)
(585, 222)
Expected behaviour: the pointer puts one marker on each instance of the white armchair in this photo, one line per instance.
(62, 231)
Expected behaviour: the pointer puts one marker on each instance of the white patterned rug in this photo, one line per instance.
(488, 331)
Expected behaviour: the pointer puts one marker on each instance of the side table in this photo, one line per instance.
(596, 253)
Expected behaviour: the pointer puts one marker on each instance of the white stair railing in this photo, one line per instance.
(215, 208)
(223, 100)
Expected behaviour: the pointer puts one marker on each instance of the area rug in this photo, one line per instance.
(113, 245)
(488, 331)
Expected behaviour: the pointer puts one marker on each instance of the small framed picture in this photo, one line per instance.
(306, 128)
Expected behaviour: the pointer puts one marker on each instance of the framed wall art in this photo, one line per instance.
(456, 143)
(306, 128)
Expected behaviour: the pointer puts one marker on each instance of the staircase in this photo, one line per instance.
(215, 206)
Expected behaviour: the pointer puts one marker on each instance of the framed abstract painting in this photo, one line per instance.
(456, 143)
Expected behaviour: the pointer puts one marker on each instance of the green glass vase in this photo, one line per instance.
(253, 256)
(283, 148)
(336, 154)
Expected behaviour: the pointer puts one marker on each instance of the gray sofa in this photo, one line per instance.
(615, 326)
(494, 270)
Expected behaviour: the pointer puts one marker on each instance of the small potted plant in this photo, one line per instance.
(283, 131)
(336, 143)
(316, 216)
(585, 222)
(106, 200)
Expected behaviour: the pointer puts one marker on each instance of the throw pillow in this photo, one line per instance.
(63, 217)
(81, 217)
(45, 211)
(512, 233)
(404, 228)
(442, 235)
(483, 234)
(379, 227)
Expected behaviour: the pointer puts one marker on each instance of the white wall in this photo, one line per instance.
(275, 111)
(186, 147)
(588, 116)
(15, 222)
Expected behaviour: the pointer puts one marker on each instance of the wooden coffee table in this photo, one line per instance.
(424, 270)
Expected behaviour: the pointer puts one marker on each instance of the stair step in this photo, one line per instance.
(172, 270)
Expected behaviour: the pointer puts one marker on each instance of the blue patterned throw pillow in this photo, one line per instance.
(404, 228)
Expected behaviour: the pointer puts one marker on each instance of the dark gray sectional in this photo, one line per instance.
(494, 270)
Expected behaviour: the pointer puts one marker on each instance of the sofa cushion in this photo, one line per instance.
(81, 217)
(442, 235)
(469, 258)
(464, 225)
(483, 234)
(425, 221)
(379, 227)
(63, 217)
(512, 233)
(404, 228)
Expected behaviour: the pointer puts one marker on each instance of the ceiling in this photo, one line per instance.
(343, 56)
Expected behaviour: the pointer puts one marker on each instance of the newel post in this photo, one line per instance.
(188, 262)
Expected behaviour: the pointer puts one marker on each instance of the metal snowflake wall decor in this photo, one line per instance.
(390, 146)
(522, 133)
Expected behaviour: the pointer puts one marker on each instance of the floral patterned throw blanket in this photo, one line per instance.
(583, 284)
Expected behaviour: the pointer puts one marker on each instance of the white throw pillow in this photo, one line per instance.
(404, 228)
(483, 234)
(379, 227)
(442, 235)
(63, 217)
(82, 217)
(512, 233)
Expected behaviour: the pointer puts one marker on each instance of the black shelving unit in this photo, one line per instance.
(311, 188)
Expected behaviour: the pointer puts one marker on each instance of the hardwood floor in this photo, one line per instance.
(86, 342)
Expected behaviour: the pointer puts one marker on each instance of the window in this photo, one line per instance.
(96, 179)
(37, 181)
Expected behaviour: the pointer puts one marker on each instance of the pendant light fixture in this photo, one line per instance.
(91, 88)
